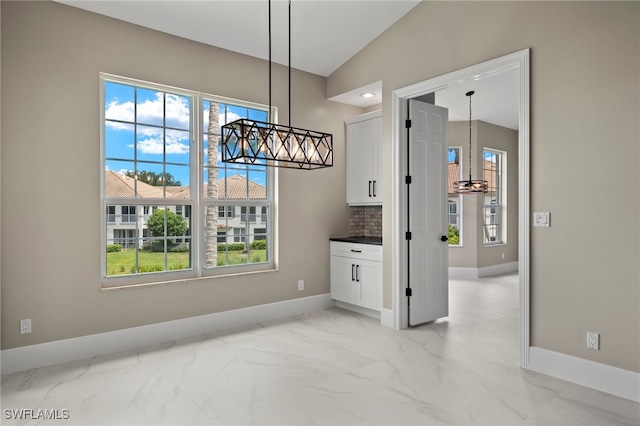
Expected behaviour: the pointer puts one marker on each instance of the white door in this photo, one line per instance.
(428, 247)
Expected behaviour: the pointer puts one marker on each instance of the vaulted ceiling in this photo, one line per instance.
(325, 34)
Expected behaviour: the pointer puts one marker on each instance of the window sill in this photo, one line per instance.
(180, 281)
(494, 244)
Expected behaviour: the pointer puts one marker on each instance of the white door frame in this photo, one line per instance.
(520, 61)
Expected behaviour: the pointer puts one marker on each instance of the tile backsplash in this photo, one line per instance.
(365, 221)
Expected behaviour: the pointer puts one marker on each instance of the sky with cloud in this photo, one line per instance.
(150, 130)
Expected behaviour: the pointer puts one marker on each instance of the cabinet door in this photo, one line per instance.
(376, 166)
(370, 284)
(343, 284)
(361, 158)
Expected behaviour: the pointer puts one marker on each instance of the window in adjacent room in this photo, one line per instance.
(454, 201)
(493, 212)
(169, 199)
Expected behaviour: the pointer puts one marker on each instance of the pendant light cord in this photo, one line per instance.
(270, 117)
(289, 62)
(470, 94)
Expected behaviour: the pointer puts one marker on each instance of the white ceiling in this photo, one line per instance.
(495, 100)
(325, 34)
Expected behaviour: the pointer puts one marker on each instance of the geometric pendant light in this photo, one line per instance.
(249, 141)
(470, 186)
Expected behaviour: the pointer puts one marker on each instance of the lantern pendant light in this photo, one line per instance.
(249, 141)
(470, 186)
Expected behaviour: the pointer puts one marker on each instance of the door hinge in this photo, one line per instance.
(407, 123)
(408, 235)
(407, 292)
(407, 179)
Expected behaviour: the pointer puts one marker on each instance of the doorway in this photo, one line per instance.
(519, 61)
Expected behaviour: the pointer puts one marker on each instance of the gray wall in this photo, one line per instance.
(585, 113)
(51, 58)
(473, 253)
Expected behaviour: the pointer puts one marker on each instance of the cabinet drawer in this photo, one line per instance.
(356, 251)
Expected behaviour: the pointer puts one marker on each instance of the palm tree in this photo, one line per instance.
(211, 251)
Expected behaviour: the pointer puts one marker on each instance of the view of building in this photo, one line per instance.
(127, 223)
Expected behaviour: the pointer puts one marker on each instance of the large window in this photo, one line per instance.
(454, 201)
(168, 197)
(493, 200)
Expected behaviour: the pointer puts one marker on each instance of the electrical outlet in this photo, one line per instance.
(503, 256)
(25, 326)
(593, 340)
(300, 285)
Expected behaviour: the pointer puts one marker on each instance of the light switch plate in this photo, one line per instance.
(541, 219)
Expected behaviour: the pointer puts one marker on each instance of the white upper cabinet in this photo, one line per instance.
(364, 165)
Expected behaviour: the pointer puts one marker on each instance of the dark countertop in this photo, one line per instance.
(360, 240)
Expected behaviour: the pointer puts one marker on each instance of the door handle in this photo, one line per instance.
(444, 238)
(353, 272)
(356, 251)
(374, 188)
(369, 188)
(357, 273)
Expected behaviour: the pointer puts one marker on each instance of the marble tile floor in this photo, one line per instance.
(331, 367)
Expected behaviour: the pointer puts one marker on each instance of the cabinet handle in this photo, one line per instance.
(356, 251)
(352, 272)
(374, 188)
(357, 273)
(369, 188)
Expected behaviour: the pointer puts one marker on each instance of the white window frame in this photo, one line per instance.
(500, 199)
(197, 202)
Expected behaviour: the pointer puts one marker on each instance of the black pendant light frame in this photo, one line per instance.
(470, 186)
(249, 141)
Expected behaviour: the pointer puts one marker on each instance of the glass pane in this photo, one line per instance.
(211, 116)
(149, 107)
(119, 102)
(177, 146)
(149, 143)
(211, 154)
(177, 181)
(111, 213)
(177, 111)
(257, 114)
(205, 116)
(454, 235)
(214, 152)
(212, 183)
(258, 242)
(258, 184)
(169, 239)
(119, 181)
(150, 180)
(215, 246)
(119, 140)
(234, 185)
(233, 113)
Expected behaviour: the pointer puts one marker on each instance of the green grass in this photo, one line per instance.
(123, 263)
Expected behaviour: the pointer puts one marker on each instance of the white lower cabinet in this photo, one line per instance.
(356, 274)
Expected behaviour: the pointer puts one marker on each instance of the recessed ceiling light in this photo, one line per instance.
(367, 95)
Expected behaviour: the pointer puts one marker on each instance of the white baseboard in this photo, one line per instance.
(359, 309)
(50, 353)
(387, 318)
(602, 377)
(485, 271)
